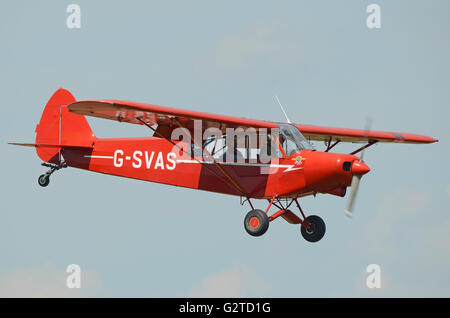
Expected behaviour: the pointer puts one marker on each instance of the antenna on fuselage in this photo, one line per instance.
(284, 112)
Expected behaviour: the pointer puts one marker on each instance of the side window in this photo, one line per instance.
(268, 147)
(215, 146)
(256, 147)
(289, 147)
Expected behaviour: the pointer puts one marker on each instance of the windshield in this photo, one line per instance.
(293, 141)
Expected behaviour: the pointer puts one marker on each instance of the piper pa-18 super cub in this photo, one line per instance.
(253, 159)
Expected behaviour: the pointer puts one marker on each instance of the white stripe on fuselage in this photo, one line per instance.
(99, 157)
(271, 165)
(289, 167)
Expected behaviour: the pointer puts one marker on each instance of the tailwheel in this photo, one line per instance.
(256, 222)
(313, 228)
(44, 180)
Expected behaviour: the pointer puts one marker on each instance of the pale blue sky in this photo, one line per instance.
(133, 238)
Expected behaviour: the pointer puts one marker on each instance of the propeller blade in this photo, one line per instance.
(352, 197)
(358, 170)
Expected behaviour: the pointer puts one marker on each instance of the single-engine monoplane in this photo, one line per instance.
(252, 159)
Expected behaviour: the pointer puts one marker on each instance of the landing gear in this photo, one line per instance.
(44, 179)
(256, 222)
(314, 230)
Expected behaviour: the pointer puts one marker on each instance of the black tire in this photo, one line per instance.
(256, 222)
(317, 230)
(43, 180)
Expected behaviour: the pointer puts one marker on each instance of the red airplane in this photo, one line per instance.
(274, 161)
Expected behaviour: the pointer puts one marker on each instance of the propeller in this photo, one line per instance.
(359, 168)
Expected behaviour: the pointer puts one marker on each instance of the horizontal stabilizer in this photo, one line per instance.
(48, 145)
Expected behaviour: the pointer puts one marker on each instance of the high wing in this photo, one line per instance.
(168, 118)
(360, 135)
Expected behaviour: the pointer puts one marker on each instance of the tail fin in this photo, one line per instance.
(58, 128)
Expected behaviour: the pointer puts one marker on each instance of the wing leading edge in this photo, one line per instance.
(360, 135)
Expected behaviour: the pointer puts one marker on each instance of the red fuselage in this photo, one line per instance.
(157, 160)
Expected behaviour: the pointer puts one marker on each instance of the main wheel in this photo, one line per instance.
(256, 222)
(44, 180)
(316, 230)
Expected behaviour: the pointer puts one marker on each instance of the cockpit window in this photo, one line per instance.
(292, 140)
(255, 145)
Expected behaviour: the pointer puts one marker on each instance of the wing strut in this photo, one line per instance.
(370, 143)
(228, 179)
(329, 145)
(218, 165)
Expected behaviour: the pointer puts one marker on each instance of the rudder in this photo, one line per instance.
(60, 127)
